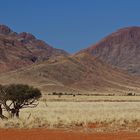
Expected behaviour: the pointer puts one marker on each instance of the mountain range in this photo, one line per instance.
(108, 67)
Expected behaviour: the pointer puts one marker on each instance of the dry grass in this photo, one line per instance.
(108, 116)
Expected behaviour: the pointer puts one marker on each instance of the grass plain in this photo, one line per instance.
(95, 113)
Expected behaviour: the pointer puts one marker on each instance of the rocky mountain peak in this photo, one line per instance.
(5, 30)
(27, 36)
(121, 49)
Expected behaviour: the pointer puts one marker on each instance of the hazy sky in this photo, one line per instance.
(69, 24)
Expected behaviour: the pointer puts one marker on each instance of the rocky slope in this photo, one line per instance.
(79, 73)
(23, 49)
(121, 49)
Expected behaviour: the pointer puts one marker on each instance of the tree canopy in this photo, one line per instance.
(20, 96)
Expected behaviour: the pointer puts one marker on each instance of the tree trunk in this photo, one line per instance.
(0, 110)
(17, 113)
(12, 113)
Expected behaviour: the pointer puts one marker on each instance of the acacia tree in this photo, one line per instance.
(20, 96)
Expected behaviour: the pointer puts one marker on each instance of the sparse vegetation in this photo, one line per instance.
(91, 98)
(107, 115)
(131, 94)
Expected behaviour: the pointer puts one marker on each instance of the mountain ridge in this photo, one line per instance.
(120, 49)
(23, 49)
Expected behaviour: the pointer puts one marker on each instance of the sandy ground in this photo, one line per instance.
(44, 134)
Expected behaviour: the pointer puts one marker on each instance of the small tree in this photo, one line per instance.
(20, 96)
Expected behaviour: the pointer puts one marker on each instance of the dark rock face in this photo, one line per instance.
(5, 30)
(121, 49)
(26, 36)
(20, 50)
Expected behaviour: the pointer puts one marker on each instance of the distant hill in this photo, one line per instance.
(121, 49)
(78, 73)
(23, 49)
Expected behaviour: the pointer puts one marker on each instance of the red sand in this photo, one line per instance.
(44, 134)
